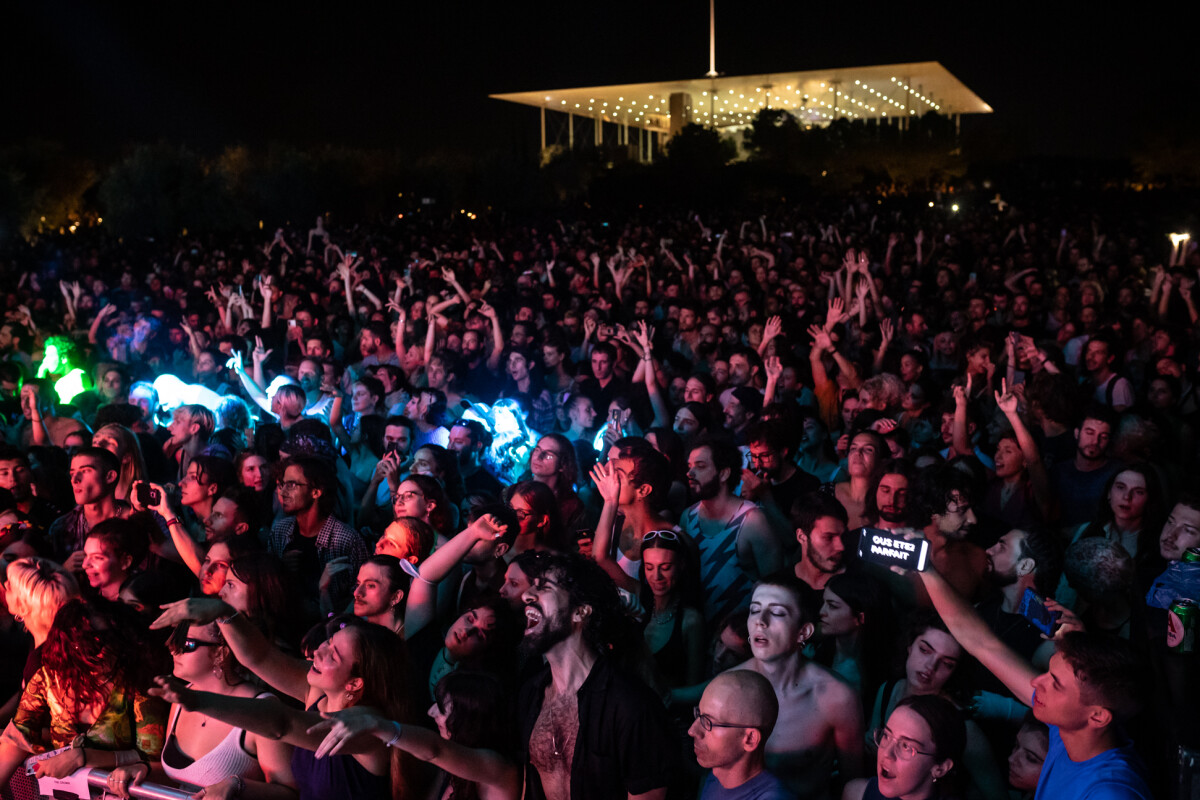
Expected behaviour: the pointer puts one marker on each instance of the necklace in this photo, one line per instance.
(664, 617)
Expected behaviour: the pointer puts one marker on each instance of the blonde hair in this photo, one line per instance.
(39, 587)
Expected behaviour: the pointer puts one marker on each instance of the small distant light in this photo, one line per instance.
(931, 204)
(954, 207)
(399, 216)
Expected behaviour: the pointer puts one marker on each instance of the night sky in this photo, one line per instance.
(99, 77)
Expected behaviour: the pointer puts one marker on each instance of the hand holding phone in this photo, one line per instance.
(1033, 608)
(887, 549)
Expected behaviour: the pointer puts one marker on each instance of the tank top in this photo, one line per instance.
(336, 777)
(229, 757)
(726, 584)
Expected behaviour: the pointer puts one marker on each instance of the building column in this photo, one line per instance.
(570, 130)
(543, 110)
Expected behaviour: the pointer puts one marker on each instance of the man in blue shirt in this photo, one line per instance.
(1092, 685)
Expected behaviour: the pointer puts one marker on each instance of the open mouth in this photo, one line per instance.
(533, 618)
(759, 641)
(885, 773)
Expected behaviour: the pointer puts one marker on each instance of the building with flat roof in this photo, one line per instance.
(890, 93)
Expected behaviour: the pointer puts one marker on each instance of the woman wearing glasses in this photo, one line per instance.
(205, 755)
(932, 660)
(919, 746)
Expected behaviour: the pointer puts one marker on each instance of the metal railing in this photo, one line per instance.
(82, 783)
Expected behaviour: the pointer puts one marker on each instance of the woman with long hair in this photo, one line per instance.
(359, 665)
(472, 746)
(90, 693)
(920, 745)
(1132, 515)
(257, 585)
(674, 630)
(123, 443)
(441, 464)
(208, 756)
(854, 630)
(553, 462)
(864, 459)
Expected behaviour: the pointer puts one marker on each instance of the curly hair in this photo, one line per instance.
(97, 649)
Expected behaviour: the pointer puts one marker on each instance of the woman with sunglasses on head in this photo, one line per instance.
(471, 746)
(919, 746)
(204, 755)
(674, 630)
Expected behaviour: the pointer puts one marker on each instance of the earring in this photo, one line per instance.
(349, 697)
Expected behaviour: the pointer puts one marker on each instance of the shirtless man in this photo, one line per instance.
(820, 723)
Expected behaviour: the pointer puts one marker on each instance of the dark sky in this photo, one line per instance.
(100, 76)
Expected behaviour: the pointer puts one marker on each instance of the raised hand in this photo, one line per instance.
(773, 328)
(886, 330)
(260, 354)
(1006, 401)
(608, 481)
(448, 275)
(836, 313)
(774, 368)
(821, 337)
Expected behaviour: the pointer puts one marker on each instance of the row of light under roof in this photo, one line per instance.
(920, 96)
(838, 93)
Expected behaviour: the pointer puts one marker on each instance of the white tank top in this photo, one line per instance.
(229, 757)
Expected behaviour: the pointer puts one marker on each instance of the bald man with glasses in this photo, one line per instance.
(729, 736)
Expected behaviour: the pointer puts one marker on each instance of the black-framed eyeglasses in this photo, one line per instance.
(670, 536)
(904, 748)
(290, 486)
(522, 514)
(404, 497)
(708, 723)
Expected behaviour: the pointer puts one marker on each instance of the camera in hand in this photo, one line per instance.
(877, 546)
(147, 495)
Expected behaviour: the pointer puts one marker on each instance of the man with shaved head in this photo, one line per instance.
(733, 722)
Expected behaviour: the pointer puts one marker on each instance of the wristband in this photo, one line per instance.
(172, 521)
(399, 730)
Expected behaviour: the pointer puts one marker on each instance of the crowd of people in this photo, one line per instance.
(573, 509)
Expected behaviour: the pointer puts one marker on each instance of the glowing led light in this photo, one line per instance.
(931, 204)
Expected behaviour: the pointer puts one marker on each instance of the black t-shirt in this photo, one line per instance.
(483, 482)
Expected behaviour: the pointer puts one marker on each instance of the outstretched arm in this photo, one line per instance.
(349, 730)
(970, 631)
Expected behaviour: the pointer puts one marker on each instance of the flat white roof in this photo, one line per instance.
(814, 97)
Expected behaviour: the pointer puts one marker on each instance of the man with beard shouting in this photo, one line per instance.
(736, 544)
(588, 731)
